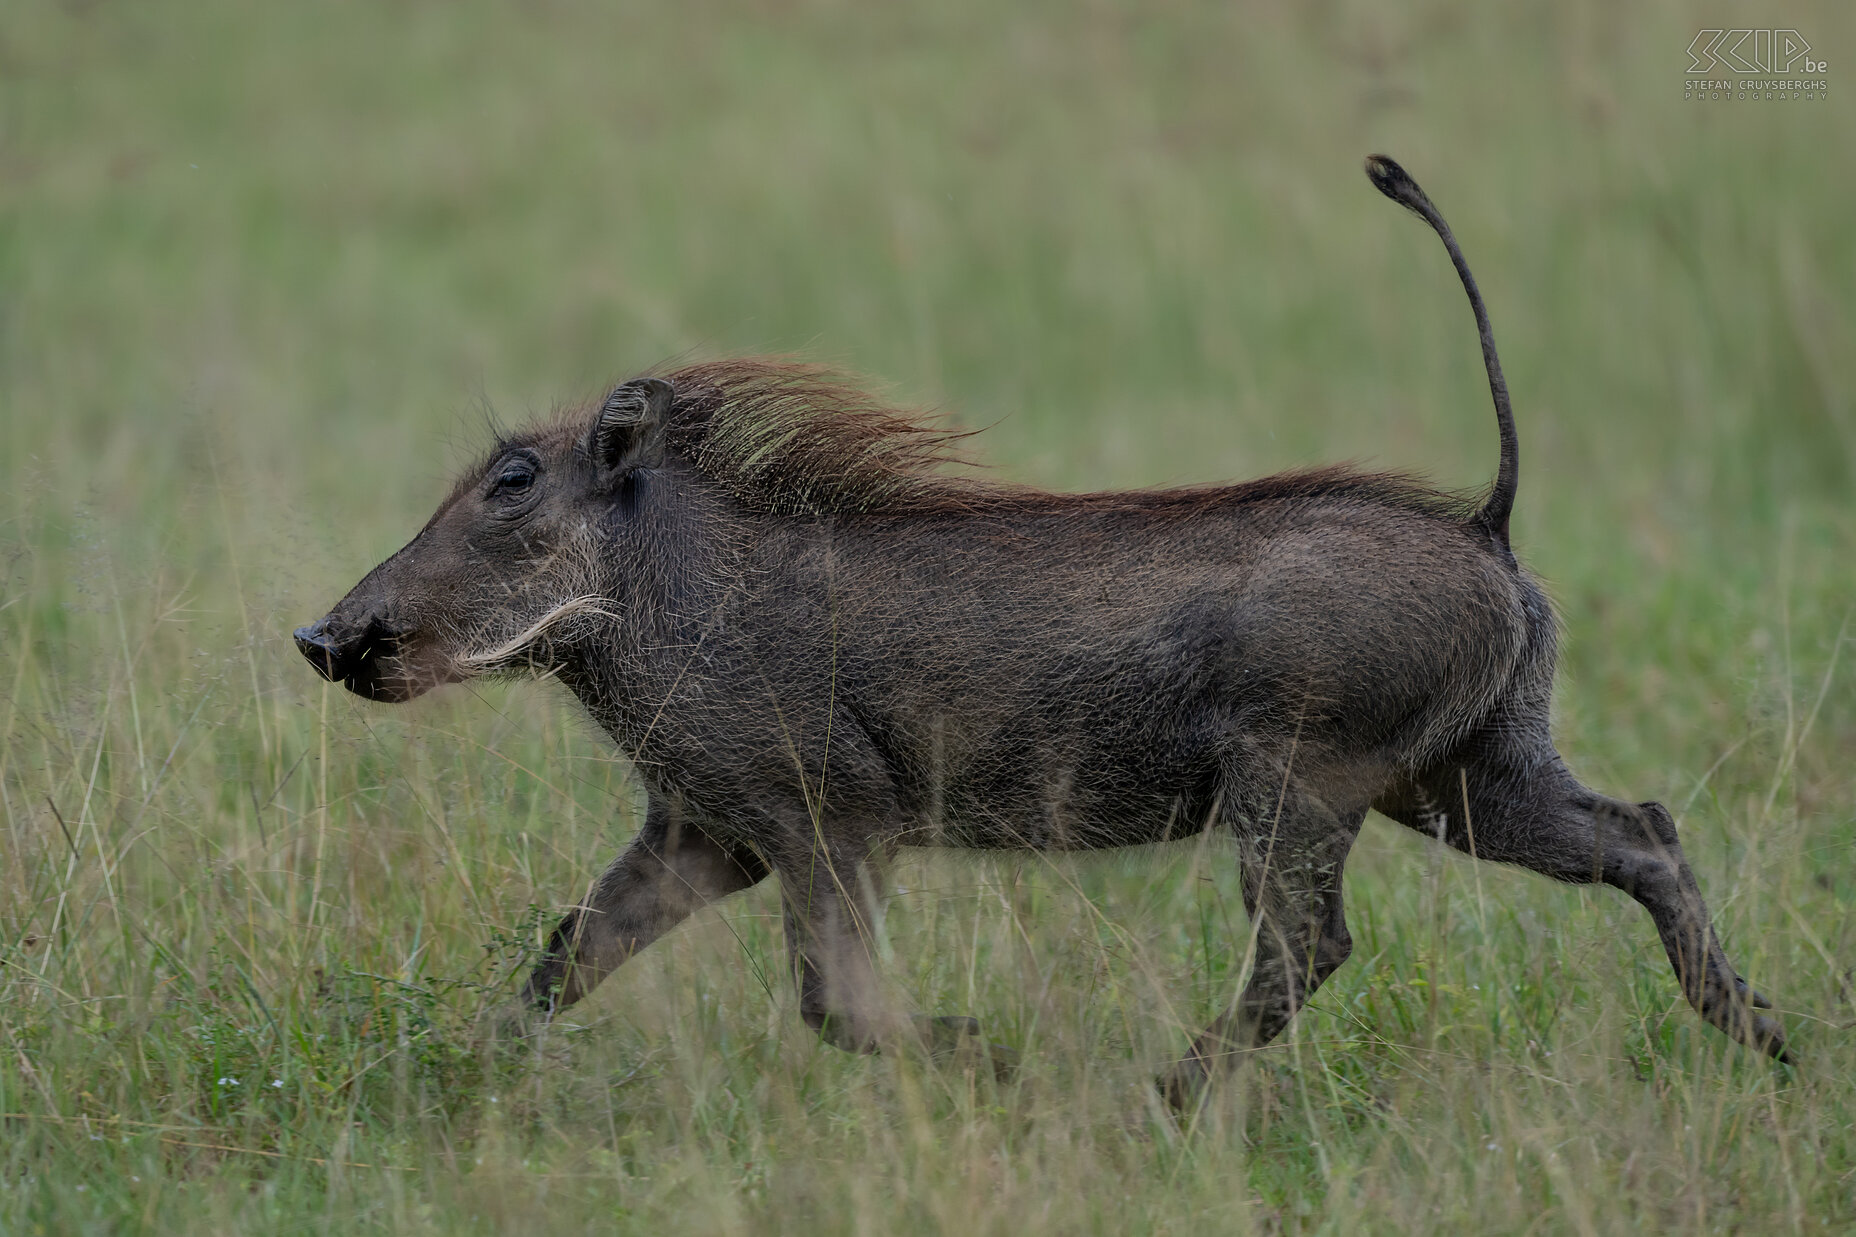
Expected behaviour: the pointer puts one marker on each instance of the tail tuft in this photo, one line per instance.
(1393, 181)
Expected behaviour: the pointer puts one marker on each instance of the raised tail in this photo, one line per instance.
(1393, 181)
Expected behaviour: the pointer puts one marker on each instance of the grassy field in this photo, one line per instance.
(268, 274)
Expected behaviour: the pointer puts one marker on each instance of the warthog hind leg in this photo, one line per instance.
(1500, 804)
(1292, 866)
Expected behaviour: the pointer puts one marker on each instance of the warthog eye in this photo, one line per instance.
(517, 476)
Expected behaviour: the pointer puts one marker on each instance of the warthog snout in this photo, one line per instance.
(354, 654)
(324, 652)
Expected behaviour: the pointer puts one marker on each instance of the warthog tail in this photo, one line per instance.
(1393, 181)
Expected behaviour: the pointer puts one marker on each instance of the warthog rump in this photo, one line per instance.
(815, 644)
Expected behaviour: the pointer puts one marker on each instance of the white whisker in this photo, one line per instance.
(490, 659)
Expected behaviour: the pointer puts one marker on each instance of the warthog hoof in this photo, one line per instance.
(1752, 997)
(1737, 1015)
(954, 1039)
(1768, 1035)
(1182, 1085)
(515, 1025)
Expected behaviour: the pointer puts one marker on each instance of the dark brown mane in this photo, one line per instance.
(797, 438)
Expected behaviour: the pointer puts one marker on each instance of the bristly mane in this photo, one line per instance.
(798, 438)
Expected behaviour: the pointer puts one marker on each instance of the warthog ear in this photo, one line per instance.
(630, 430)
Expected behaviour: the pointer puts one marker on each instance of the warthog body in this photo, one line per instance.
(816, 645)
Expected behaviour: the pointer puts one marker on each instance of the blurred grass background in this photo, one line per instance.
(268, 273)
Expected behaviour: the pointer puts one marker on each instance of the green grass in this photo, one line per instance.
(267, 273)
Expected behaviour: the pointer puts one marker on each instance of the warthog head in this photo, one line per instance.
(506, 573)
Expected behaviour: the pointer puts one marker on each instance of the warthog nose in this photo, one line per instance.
(323, 653)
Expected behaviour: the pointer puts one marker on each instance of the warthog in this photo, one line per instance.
(815, 644)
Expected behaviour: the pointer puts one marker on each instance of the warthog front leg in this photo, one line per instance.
(831, 924)
(670, 869)
(831, 940)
